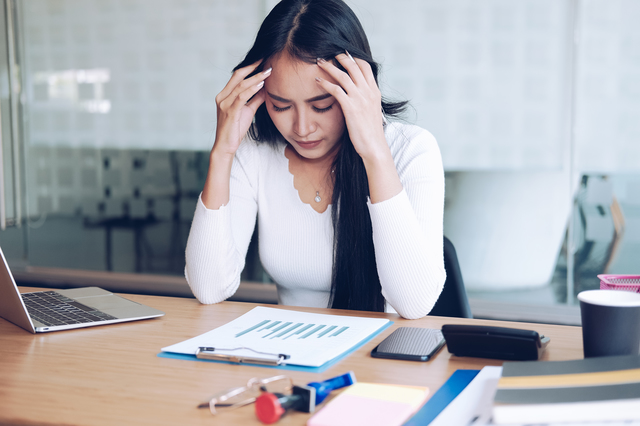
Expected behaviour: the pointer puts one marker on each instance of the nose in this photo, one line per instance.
(303, 125)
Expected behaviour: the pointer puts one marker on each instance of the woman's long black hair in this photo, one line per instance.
(307, 30)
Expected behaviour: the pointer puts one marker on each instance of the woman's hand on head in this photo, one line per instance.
(361, 103)
(360, 100)
(236, 104)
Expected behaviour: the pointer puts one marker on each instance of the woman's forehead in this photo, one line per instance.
(293, 78)
(289, 67)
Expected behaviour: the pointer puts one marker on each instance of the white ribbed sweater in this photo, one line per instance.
(296, 242)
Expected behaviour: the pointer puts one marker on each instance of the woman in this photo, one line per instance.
(349, 207)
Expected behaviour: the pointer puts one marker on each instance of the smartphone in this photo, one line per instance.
(410, 343)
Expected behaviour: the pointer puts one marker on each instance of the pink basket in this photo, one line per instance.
(620, 282)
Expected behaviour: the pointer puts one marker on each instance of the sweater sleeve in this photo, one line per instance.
(408, 229)
(219, 239)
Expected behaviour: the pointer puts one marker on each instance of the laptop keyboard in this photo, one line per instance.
(52, 308)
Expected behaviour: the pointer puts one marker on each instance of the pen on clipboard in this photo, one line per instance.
(264, 358)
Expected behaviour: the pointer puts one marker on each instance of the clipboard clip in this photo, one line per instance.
(208, 352)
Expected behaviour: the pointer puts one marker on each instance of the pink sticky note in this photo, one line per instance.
(353, 410)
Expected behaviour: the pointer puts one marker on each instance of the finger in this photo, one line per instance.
(238, 76)
(350, 64)
(237, 102)
(257, 100)
(353, 67)
(343, 79)
(231, 91)
(250, 82)
(367, 71)
(334, 90)
(247, 84)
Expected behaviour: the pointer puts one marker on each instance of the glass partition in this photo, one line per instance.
(11, 151)
(606, 215)
(119, 100)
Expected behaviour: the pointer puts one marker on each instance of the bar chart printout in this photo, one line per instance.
(309, 339)
(273, 329)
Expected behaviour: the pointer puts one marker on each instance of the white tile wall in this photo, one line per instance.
(487, 78)
(608, 78)
(165, 61)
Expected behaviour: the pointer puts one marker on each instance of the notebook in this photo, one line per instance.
(45, 311)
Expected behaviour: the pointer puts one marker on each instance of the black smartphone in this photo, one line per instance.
(410, 343)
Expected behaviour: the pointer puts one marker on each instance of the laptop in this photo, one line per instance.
(45, 311)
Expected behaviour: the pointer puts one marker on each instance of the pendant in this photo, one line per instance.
(318, 199)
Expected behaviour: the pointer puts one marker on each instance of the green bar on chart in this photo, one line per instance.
(302, 330)
(252, 328)
(278, 329)
(293, 327)
(311, 332)
(273, 324)
(328, 330)
(339, 331)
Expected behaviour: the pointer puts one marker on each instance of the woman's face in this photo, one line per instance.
(308, 118)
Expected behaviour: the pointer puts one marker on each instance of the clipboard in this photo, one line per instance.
(244, 340)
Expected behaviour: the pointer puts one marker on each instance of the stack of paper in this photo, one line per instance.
(467, 398)
(592, 390)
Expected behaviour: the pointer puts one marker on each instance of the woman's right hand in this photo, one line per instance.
(237, 103)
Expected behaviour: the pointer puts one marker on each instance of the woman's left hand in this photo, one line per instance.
(360, 100)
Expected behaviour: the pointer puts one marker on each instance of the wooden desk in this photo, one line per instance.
(111, 375)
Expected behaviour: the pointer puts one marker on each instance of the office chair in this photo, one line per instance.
(453, 300)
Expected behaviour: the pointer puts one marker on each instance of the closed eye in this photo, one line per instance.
(278, 109)
(321, 110)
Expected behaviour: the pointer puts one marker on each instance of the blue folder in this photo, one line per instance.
(320, 369)
(447, 393)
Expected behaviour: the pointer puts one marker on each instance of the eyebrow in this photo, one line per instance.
(314, 99)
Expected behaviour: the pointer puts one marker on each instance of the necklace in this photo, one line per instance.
(328, 180)
(318, 198)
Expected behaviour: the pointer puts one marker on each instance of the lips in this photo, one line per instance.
(309, 144)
